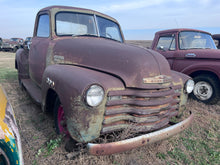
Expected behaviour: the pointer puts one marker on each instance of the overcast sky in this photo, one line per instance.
(139, 19)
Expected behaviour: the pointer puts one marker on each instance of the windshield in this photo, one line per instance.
(195, 40)
(14, 39)
(79, 24)
(108, 29)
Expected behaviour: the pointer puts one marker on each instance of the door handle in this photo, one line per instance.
(190, 55)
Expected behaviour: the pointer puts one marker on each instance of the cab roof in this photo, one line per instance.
(181, 29)
(76, 9)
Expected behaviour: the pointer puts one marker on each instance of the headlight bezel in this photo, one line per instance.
(94, 102)
(189, 86)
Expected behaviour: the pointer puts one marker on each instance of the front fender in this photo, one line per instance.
(212, 66)
(179, 79)
(70, 83)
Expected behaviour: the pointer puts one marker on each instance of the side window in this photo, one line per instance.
(167, 43)
(43, 29)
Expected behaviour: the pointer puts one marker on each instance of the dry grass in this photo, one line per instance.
(198, 145)
(141, 43)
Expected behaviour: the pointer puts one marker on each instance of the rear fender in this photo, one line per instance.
(22, 64)
(70, 83)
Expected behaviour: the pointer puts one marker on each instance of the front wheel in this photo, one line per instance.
(206, 89)
(59, 118)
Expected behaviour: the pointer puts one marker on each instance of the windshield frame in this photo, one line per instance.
(95, 25)
(212, 43)
(60, 35)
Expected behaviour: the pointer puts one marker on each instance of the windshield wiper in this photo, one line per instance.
(110, 38)
(87, 34)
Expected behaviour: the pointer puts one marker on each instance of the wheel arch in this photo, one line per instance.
(22, 63)
(204, 72)
(50, 100)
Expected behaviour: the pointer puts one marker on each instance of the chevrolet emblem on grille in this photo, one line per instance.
(157, 79)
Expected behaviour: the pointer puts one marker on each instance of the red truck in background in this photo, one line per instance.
(194, 53)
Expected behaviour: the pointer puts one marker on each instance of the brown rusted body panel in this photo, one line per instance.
(139, 87)
(112, 57)
(84, 122)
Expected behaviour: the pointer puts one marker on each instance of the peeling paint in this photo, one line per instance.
(10, 141)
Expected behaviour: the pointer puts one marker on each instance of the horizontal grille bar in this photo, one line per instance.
(145, 102)
(135, 127)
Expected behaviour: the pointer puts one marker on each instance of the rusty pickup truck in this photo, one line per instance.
(79, 67)
(192, 52)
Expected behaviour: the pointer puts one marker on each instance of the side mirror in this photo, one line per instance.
(161, 48)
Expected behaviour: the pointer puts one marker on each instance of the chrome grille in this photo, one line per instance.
(147, 110)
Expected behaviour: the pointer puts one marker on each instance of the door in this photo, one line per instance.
(167, 47)
(38, 49)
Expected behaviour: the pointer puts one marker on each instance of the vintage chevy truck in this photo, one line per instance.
(79, 67)
(192, 52)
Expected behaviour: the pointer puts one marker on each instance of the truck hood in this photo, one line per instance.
(129, 63)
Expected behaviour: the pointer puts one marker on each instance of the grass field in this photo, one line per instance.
(200, 144)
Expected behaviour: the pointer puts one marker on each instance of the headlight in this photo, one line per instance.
(189, 86)
(94, 95)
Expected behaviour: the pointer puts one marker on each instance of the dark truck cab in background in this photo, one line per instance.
(79, 67)
(216, 38)
(192, 52)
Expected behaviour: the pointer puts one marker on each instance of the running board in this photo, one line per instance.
(33, 90)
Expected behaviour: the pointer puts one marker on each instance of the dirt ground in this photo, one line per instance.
(42, 146)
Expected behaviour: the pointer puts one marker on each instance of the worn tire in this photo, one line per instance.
(207, 89)
(19, 79)
(20, 83)
(59, 118)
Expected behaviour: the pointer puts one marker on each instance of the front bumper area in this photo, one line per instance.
(125, 145)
